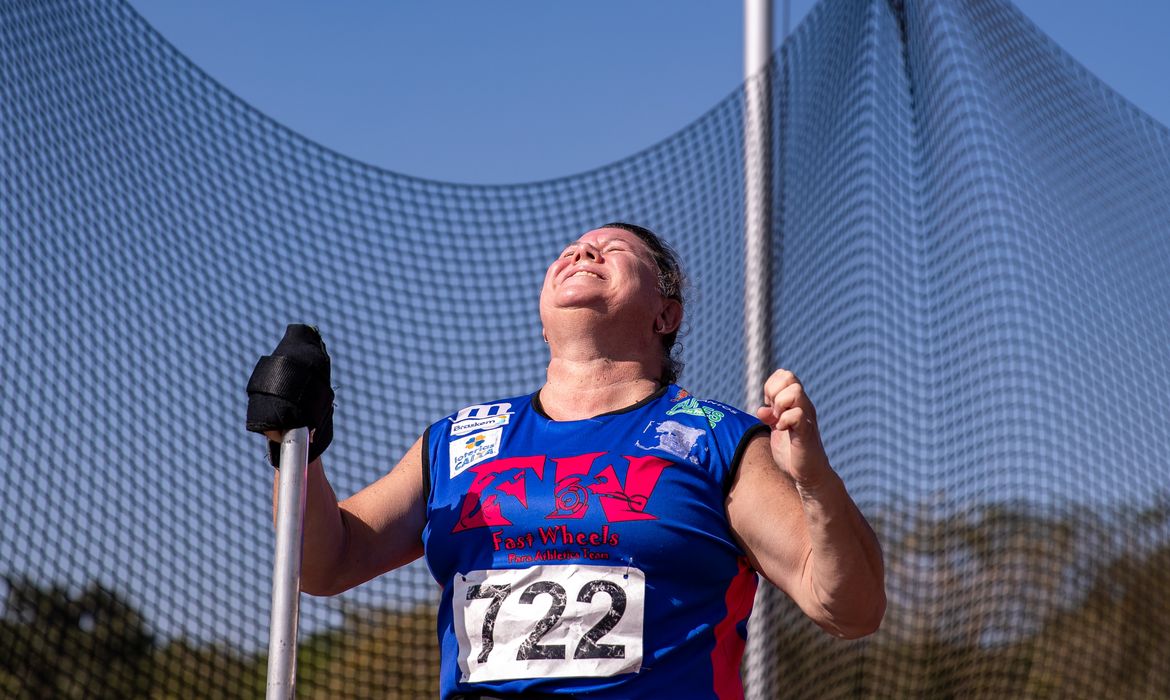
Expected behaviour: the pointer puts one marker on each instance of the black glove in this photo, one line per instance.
(290, 389)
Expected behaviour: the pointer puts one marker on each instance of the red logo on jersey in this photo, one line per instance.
(579, 482)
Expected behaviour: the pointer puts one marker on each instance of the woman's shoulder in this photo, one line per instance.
(477, 417)
(683, 402)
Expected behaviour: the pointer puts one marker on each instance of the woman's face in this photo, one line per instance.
(608, 270)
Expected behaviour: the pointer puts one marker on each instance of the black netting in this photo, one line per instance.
(972, 267)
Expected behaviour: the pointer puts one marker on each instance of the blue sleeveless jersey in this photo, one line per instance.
(588, 557)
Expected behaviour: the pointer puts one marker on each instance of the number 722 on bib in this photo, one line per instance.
(549, 621)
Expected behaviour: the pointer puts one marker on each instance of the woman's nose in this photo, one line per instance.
(587, 252)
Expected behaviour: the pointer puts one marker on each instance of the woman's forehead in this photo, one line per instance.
(601, 236)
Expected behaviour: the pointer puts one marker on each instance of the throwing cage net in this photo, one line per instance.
(972, 277)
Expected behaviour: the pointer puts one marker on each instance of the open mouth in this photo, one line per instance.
(581, 272)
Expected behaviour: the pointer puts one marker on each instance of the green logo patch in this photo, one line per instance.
(691, 407)
(713, 416)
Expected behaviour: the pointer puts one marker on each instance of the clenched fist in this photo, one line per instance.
(796, 440)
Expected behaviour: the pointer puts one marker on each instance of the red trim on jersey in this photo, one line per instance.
(728, 651)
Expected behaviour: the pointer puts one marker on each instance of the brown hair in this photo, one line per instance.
(672, 284)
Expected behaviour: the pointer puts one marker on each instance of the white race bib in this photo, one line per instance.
(549, 621)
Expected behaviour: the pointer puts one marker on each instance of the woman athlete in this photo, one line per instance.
(601, 537)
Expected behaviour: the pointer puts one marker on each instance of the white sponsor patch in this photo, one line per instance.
(472, 425)
(673, 438)
(482, 411)
(549, 622)
(473, 449)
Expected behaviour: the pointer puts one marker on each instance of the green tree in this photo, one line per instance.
(1002, 601)
(376, 653)
(57, 645)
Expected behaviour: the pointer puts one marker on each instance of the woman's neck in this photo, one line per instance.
(579, 389)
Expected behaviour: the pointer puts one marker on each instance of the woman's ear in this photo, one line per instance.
(669, 318)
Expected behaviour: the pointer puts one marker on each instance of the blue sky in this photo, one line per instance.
(523, 90)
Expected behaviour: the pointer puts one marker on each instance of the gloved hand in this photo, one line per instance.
(290, 389)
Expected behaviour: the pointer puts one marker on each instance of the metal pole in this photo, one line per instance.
(757, 158)
(286, 571)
